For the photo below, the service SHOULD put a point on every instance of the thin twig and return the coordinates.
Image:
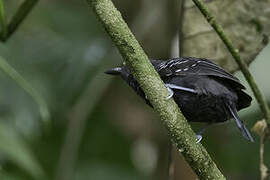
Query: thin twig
(234, 52)
(180, 27)
(22, 12)
(263, 168)
(137, 61)
(3, 20)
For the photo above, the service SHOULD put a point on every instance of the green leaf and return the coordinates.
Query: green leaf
(16, 150)
(11, 72)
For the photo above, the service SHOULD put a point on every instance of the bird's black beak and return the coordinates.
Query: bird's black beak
(114, 71)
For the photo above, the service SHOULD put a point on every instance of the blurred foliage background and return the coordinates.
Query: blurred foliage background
(98, 128)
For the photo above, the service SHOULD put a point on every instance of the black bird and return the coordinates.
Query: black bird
(203, 91)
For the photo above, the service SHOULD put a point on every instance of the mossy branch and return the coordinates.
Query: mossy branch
(134, 56)
(234, 52)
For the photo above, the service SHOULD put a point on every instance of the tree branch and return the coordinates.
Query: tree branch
(135, 58)
(234, 52)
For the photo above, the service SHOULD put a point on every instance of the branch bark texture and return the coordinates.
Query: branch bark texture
(135, 58)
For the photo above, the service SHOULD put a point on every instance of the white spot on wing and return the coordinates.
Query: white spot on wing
(177, 62)
(162, 66)
(185, 69)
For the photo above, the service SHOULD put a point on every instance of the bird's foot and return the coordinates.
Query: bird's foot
(199, 138)
(199, 135)
(170, 92)
(170, 88)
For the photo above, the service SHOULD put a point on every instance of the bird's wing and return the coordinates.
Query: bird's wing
(193, 66)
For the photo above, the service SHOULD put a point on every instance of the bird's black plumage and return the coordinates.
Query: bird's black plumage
(203, 90)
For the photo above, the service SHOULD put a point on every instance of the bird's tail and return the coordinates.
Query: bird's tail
(239, 123)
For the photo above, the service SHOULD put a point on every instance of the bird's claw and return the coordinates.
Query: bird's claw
(199, 138)
(170, 92)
